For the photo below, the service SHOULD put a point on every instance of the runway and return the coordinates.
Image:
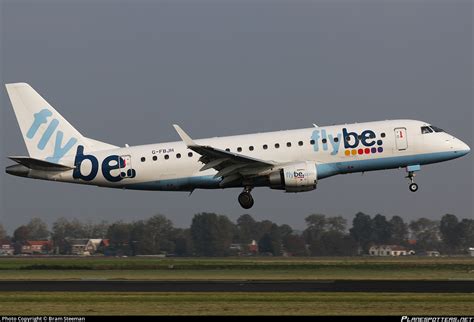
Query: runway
(418, 286)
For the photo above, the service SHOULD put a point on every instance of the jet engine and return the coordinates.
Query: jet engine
(295, 177)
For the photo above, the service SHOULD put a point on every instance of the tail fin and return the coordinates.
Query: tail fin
(48, 136)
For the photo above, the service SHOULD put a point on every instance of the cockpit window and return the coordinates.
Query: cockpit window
(436, 129)
(426, 129)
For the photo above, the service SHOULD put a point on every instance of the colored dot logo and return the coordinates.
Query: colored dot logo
(363, 151)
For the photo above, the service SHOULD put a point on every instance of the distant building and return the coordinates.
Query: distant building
(105, 243)
(432, 253)
(85, 247)
(32, 247)
(103, 247)
(235, 247)
(253, 247)
(93, 245)
(6, 248)
(78, 246)
(388, 250)
(471, 251)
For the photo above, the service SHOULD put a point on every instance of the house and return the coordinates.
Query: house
(78, 246)
(388, 250)
(432, 253)
(104, 245)
(37, 247)
(253, 247)
(6, 248)
(85, 246)
(92, 245)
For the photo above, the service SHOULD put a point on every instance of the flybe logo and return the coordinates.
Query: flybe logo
(114, 167)
(299, 174)
(59, 150)
(353, 142)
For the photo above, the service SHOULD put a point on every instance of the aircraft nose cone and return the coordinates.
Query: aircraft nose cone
(463, 148)
(468, 149)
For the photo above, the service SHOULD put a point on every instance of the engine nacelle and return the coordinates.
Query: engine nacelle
(295, 177)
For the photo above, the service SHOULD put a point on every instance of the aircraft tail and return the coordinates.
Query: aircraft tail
(48, 136)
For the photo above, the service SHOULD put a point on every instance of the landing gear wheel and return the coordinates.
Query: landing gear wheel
(245, 200)
(413, 187)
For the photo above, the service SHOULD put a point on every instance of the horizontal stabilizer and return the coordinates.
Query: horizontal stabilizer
(37, 164)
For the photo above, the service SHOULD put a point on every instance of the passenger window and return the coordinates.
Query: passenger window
(155, 158)
(190, 154)
(300, 143)
(239, 149)
(425, 130)
(178, 155)
(382, 135)
(336, 139)
(227, 149)
(251, 148)
(143, 159)
(277, 145)
(265, 146)
(311, 142)
(167, 157)
(325, 141)
(288, 144)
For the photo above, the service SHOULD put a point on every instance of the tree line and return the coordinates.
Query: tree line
(212, 234)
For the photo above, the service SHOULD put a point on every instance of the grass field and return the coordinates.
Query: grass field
(103, 303)
(33, 303)
(237, 268)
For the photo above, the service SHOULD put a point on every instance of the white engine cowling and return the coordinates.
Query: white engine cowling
(295, 177)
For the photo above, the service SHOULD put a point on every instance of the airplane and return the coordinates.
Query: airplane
(291, 160)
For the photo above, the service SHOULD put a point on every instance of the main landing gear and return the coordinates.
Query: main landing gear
(245, 198)
(413, 186)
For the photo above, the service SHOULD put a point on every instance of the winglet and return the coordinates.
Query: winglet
(186, 138)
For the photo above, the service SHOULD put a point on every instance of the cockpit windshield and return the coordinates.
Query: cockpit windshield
(430, 129)
(436, 129)
(426, 130)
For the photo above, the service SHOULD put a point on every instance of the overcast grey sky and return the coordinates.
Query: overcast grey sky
(124, 71)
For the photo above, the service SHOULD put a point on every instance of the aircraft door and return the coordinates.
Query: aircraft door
(401, 138)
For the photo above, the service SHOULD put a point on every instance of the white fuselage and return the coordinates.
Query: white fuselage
(333, 150)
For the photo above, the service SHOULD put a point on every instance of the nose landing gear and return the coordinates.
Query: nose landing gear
(245, 198)
(413, 186)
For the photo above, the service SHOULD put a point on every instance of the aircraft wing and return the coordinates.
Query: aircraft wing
(229, 166)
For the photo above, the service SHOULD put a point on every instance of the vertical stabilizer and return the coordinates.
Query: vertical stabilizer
(48, 136)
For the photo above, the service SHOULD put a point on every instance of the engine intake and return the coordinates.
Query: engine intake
(295, 177)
